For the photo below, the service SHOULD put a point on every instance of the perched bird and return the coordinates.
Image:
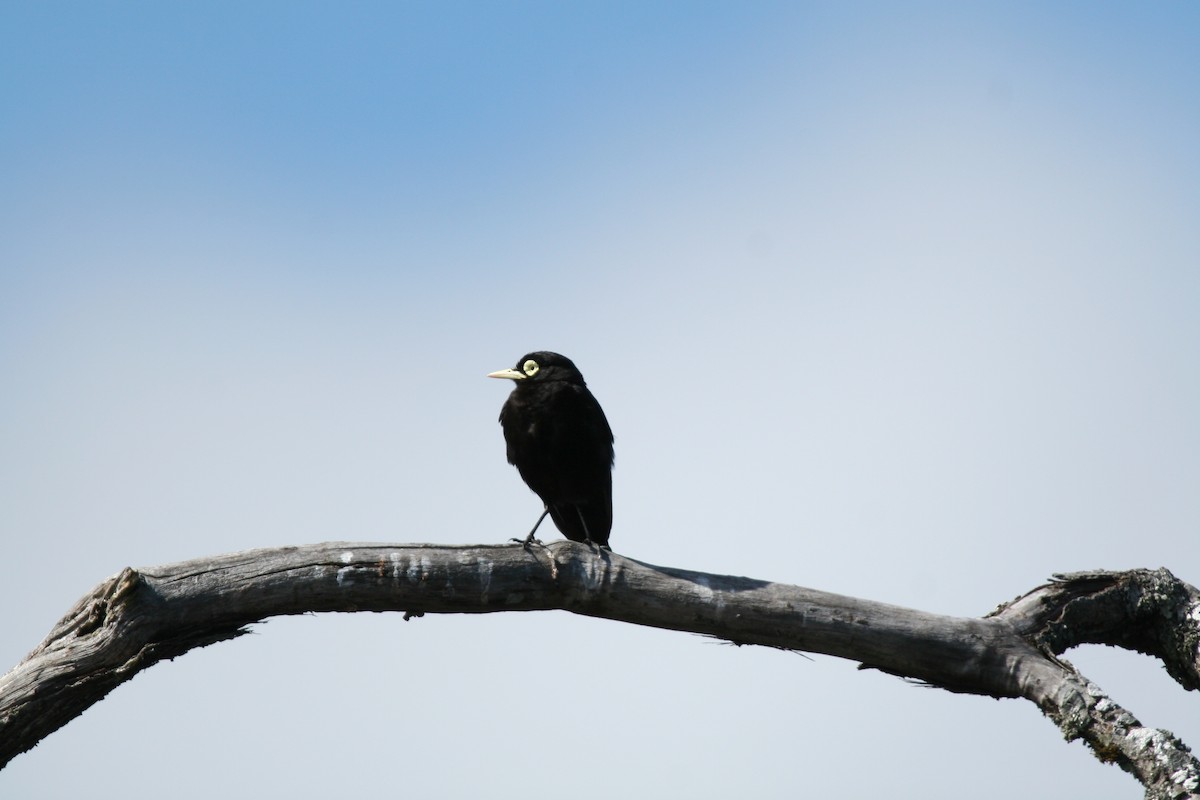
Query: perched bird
(559, 440)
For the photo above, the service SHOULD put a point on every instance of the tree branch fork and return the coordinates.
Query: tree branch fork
(139, 617)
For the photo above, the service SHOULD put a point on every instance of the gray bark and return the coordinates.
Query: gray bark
(139, 617)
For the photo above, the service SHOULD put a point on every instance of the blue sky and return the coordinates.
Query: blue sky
(899, 301)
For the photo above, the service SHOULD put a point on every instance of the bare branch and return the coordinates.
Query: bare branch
(1150, 611)
(140, 617)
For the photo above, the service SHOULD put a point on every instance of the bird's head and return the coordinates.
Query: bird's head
(539, 367)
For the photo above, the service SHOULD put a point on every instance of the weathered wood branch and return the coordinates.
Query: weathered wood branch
(139, 617)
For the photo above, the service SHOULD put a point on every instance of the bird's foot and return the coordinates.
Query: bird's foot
(528, 540)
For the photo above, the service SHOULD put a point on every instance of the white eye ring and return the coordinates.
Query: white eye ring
(530, 367)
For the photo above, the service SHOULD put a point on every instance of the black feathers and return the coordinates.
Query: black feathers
(559, 440)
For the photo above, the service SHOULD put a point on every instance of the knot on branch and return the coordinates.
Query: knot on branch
(98, 608)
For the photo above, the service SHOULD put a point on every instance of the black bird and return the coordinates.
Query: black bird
(559, 440)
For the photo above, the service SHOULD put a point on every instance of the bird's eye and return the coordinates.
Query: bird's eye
(530, 367)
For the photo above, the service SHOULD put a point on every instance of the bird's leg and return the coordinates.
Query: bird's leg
(587, 536)
(529, 539)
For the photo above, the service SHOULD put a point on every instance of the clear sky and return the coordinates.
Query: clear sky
(894, 300)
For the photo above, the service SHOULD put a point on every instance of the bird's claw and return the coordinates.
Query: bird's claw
(527, 541)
